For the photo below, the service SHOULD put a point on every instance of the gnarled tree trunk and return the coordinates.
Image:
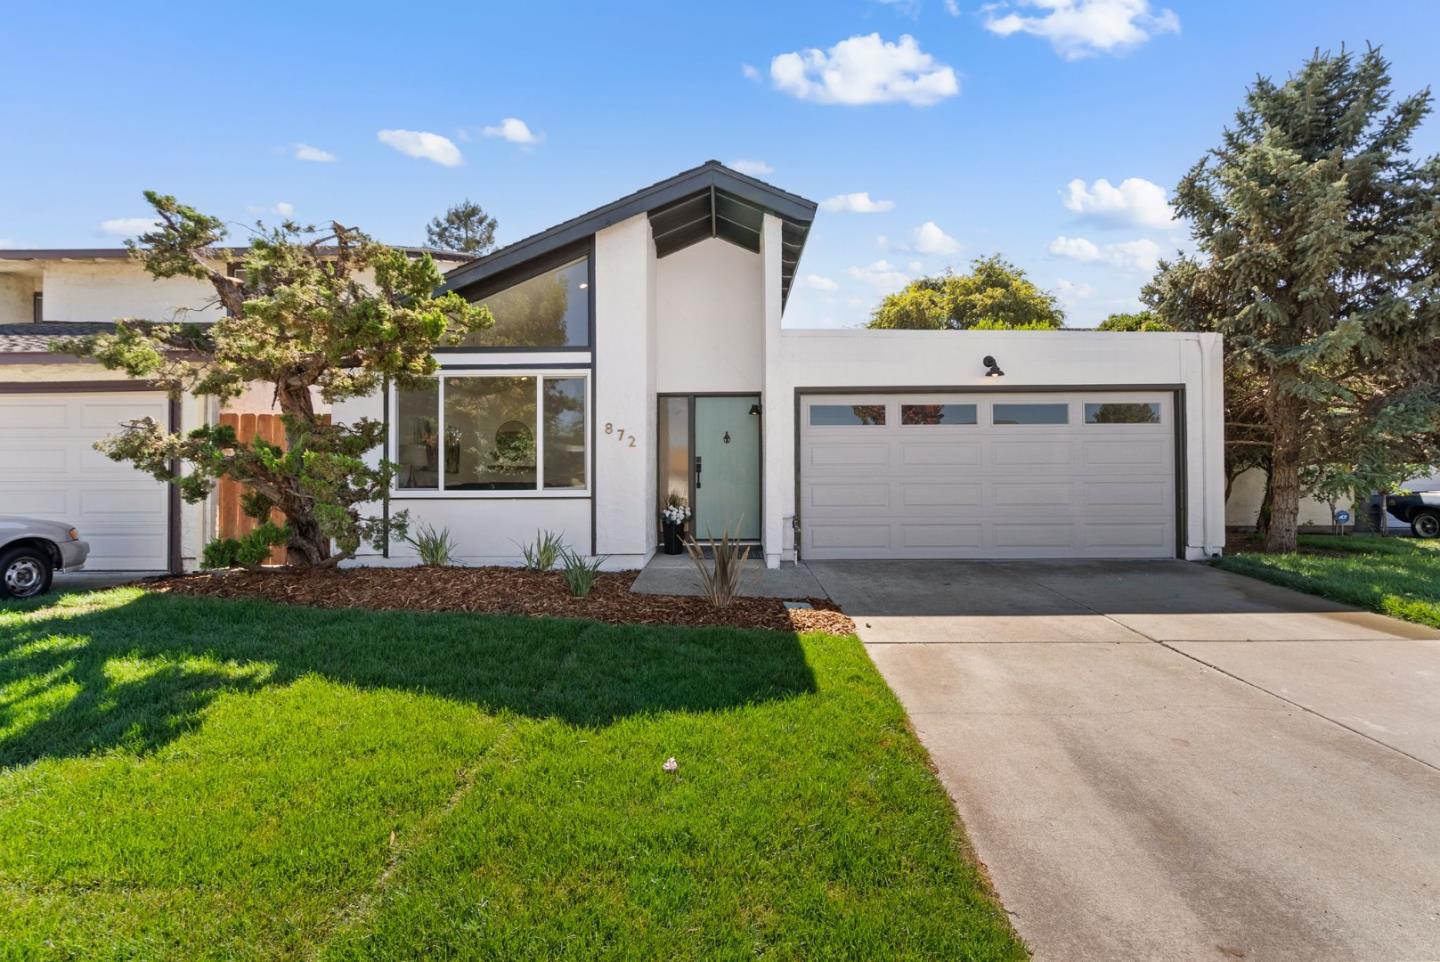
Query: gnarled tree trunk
(307, 545)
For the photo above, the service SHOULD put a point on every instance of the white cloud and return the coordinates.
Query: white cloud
(857, 203)
(1136, 201)
(749, 71)
(1136, 255)
(881, 275)
(1083, 28)
(424, 145)
(930, 239)
(755, 168)
(514, 130)
(1074, 291)
(285, 209)
(128, 226)
(865, 70)
(313, 154)
(818, 282)
(952, 7)
(1075, 248)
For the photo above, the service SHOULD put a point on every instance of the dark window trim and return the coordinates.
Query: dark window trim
(37, 307)
(524, 272)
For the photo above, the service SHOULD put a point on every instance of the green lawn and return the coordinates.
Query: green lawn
(1394, 576)
(187, 778)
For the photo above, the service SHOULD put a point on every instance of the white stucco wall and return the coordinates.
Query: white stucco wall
(106, 290)
(947, 359)
(625, 387)
(709, 299)
(17, 291)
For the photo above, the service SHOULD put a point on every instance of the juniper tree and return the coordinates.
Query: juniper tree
(1318, 237)
(311, 313)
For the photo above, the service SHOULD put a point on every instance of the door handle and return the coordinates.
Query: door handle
(699, 466)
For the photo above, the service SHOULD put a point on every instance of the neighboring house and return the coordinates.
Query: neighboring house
(638, 351)
(1243, 506)
(53, 407)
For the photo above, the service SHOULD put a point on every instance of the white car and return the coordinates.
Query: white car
(31, 551)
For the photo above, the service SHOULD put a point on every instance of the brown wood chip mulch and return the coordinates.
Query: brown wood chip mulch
(507, 591)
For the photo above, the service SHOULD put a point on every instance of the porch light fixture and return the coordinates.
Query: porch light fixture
(991, 368)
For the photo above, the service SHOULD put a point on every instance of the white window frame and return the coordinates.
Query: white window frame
(506, 494)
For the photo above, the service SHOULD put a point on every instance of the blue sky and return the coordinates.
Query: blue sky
(971, 128)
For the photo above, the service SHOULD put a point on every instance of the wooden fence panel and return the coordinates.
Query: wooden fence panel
(233, 521)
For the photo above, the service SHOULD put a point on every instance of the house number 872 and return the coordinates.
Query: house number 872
(621, 436)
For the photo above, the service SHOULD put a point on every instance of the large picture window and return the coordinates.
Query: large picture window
(548, 310)
(463, 433)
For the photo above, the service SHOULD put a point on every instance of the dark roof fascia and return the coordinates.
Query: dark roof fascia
(711, 174)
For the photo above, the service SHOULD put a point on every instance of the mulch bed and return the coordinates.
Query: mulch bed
(502, 591)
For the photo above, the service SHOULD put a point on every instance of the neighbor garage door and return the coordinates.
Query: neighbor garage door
(1082, 475)
(50, 469)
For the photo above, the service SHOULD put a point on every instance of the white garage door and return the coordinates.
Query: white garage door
(1083, 475)
(49, 469)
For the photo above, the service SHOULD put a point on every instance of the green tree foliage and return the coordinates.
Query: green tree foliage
(995, 295)
(1318, 238)
(329, 314)
(464, 228)
(1138, 321)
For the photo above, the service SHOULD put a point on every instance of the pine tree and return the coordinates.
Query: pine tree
(464, 228)
(1318, 239)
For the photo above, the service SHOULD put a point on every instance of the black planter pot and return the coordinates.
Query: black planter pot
(674, 537)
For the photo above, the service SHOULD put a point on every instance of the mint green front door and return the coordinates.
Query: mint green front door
(727, 468)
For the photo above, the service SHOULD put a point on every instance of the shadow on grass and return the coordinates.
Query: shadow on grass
(135, 673)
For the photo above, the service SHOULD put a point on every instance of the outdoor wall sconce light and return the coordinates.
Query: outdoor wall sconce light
(755, 409)
(991, 368)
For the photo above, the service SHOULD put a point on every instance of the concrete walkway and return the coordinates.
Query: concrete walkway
(1163, 761)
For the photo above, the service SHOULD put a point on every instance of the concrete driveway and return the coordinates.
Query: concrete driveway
(1163, 761)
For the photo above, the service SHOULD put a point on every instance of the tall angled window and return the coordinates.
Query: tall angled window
(549, 310)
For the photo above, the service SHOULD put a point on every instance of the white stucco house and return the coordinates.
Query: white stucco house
(639, 351)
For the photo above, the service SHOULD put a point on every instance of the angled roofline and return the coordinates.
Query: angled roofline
(710, 175)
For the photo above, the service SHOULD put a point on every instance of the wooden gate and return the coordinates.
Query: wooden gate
(234, 522)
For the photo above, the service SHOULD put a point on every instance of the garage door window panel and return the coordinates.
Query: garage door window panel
(937, 415)
(847, 415)
(1006, 414)
(1122, 412)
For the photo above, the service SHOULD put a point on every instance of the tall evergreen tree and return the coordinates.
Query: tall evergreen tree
(464, 228)
(1318, 237)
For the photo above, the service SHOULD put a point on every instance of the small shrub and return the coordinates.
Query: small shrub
(246, 552)
(435, 548)
(579, 573)
(544, 552)
(721, 578)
